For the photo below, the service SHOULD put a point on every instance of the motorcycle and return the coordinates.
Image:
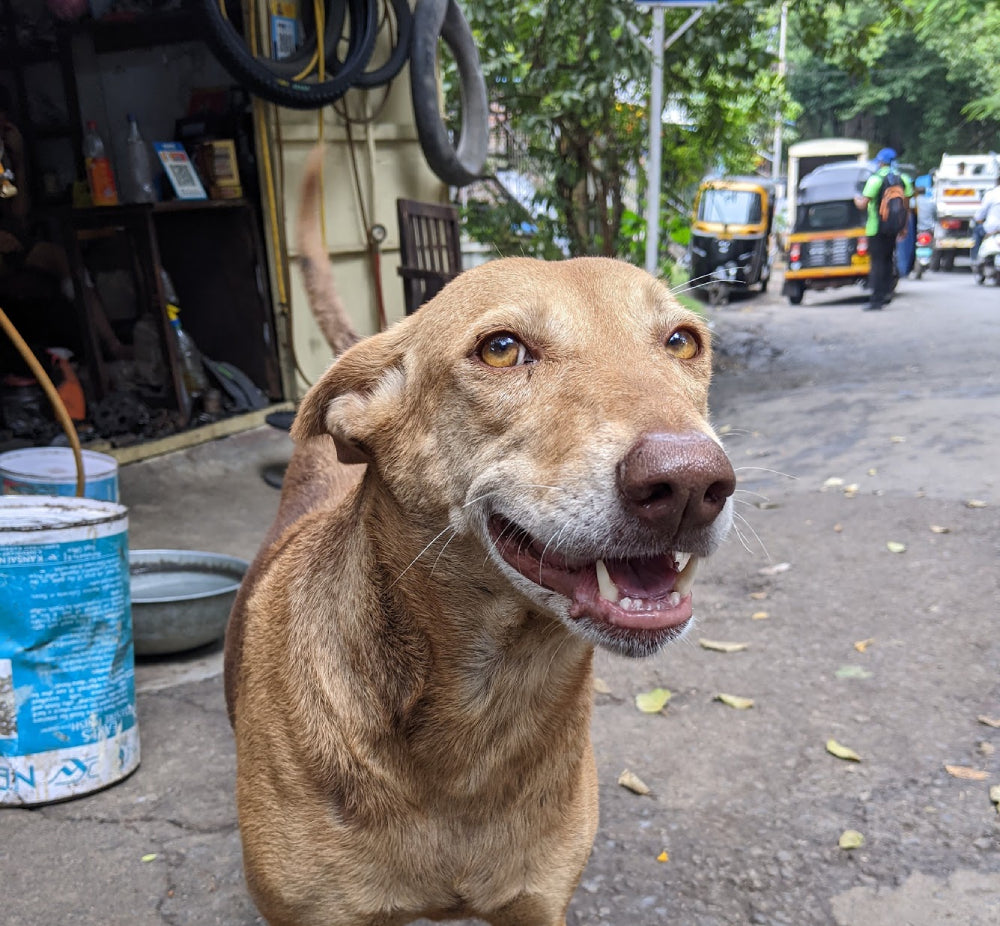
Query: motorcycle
(924, 253)
(986, 266)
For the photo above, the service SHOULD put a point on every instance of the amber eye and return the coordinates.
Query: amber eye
(684, 344)
(503, 350)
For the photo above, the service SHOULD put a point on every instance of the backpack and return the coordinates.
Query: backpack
(893, 206)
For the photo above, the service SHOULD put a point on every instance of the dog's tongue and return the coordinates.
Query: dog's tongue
(643, 578)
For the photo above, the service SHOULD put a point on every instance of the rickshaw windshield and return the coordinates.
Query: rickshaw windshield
(730, 207)
(829, 216)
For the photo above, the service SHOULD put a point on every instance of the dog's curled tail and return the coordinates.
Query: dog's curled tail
(324, 300)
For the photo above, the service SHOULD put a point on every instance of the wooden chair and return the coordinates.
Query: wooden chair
(429, 249)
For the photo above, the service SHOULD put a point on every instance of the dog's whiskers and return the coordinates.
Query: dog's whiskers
(756, 536)
(764, 469)
(429, 544)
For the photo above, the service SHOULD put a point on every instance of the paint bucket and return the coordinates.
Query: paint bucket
(67, 678)
(52, 471)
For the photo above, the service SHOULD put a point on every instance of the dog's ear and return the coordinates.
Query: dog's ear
(356, 397)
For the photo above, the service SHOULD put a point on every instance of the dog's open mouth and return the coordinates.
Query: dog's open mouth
(651, 593)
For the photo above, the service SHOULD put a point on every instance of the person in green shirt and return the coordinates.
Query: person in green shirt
(881, 247)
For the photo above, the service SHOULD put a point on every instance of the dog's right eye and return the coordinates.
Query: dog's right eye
(503, 350)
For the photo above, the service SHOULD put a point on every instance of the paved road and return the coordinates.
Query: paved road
(748, 805)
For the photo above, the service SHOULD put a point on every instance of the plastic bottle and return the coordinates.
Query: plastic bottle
(140, 169)
(100, 176)
(193, 370)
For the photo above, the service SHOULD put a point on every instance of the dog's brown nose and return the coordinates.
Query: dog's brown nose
(674, 480)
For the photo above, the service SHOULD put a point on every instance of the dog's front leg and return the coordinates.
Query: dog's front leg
(531, 910)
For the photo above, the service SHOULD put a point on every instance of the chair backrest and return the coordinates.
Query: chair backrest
(429, 249)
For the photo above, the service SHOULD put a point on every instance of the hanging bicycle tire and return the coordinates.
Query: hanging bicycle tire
(400, 53)
(258, 74)
(462, 163)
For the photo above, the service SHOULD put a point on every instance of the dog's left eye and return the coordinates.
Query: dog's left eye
(684, 344)
(503, 350)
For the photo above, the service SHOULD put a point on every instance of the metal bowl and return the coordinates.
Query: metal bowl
(180, 598)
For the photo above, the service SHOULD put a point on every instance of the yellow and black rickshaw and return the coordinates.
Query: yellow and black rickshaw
(731, 235)
(828, 247)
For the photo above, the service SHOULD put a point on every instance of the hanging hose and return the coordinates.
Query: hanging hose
(53, 396)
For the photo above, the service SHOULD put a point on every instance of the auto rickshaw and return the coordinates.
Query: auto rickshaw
(828, 247)
(731, 235)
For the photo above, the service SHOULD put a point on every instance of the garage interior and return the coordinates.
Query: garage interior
(93, 289)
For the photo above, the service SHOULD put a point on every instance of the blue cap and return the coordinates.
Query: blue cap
(886, 156)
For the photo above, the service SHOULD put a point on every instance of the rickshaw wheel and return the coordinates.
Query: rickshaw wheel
(795, 293)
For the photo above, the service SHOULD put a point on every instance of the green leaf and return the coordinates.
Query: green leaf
(851, 839)
(735, 701)
(841, 752)
(652, 702)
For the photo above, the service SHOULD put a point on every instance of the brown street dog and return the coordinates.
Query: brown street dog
(518, 472)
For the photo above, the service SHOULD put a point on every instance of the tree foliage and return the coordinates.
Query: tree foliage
(570, 83)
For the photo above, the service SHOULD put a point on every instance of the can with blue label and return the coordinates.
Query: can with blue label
(52, 471)
(67, 677)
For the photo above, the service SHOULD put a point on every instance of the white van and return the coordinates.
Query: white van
(959, 186)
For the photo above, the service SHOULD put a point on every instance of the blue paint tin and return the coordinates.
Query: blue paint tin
(67, 678)
(52, 471)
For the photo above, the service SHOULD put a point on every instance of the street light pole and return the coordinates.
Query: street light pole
(782, 33)
(654, 169)
(653, 163)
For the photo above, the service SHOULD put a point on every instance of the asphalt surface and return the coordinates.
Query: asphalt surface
(863, 582)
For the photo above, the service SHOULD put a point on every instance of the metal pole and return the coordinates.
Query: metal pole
(782, 33)
(653, 165)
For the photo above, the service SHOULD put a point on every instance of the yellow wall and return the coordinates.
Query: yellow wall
(390, 164)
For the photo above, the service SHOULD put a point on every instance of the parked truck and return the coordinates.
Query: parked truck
(960, 183)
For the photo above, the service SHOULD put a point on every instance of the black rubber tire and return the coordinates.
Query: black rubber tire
(936, 261)
(262, 81)
(948, 262)
(400, 53)
(795, 293)
(462, 164)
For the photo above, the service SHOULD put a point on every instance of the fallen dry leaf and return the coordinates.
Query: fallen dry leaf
(838, 528)
(833, 482)
(664, 856)
(987, 749)
(758, 596)
(938, 529)
(842, 752)
(995, 796)
(989, 721)
(975, 503)
(601, 686)
(966, 773)
(896, 439)
(851, 839)
(852, 672)
(873, 471)
(741, 704)
(852, 490)
(862, 645)
(894, 546)
(721, 647)
(652, 702)
(759, 616)
(774, 570)
(149, 858)
(633, 782)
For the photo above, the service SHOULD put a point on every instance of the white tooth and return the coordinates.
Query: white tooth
(686, 579)
(625, 604)
(681, 560)
(607, 588)
(675, 599)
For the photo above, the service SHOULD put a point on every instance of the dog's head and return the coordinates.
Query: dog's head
(558, 413)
